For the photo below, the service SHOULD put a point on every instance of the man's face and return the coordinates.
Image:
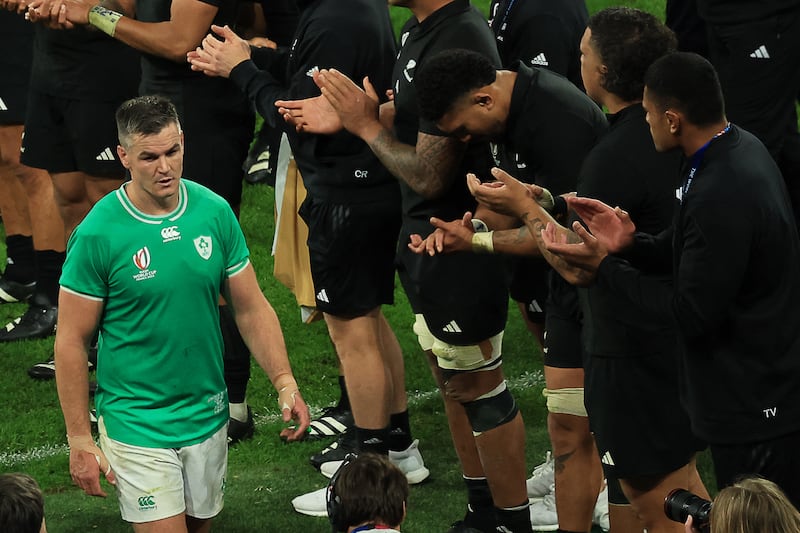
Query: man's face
(661, 129)
(156, 164)
(472, 118)
(592, 68)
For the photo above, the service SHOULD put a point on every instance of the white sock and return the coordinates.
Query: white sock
(238, 411)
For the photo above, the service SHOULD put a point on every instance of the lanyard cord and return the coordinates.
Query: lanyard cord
(697, 160)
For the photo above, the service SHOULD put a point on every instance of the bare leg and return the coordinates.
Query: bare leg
(578, 474)
(13, 202)
(624, 519)
(358, 344)
(647, 496)
(175, 524)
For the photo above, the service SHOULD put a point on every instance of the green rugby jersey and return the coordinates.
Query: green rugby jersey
(159, 372)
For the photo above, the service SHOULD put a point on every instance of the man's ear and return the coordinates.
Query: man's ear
(674, 121)
(123, 156)
(483, 99)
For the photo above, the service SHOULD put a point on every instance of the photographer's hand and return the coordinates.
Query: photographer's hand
(688, 526)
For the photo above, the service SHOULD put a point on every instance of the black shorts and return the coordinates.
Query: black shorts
(563, 347)
(463, 296)
(529, 286)
(67, 135)
(13, 100)
(352, 250)
(639, 424)
(775, 459)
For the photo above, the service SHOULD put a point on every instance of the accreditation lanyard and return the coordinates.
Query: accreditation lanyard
(697, 160)
(501, 29)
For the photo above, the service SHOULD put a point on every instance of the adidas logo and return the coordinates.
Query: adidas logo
(322, 296)
(534, 307)
(540, 60)
(373, 441)
(452, 327)
(105, 155)
(313, 70)
(607, 460)
(3, 106)
(760, 53)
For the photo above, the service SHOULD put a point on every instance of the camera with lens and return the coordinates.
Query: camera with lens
(680, 504)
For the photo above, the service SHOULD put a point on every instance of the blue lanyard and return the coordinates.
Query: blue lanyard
(503, 23)
(697, 160)
(369, 527)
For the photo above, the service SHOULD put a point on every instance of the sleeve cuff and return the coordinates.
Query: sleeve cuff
(243, 73)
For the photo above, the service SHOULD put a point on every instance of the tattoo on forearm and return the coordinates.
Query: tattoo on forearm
(426, 168)
(535, 225)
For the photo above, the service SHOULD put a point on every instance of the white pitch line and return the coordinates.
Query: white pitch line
(40, 453)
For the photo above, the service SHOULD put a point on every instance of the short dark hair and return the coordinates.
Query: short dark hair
(628, 41)
(144, 115)
(371, 490)
(21, 504)
(447, 77)
(688, 83)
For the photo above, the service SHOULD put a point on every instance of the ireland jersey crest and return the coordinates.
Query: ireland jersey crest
(203, 246)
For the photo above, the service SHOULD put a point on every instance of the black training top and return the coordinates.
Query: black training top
(625, 170)
(157, 69)
(18, 35)
(190, 90)
(281, 17)
(742, 11)
(83, 64)
(541, 33)
(552, 125)
(736, 258)
(340, 168)
(456, 25)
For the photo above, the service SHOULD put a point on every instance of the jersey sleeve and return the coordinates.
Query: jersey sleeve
(85, 270)
(237, 256)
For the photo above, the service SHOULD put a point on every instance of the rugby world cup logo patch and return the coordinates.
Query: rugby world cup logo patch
(142, 261)
(142, 258)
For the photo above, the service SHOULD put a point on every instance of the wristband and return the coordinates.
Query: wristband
(545, 200)
(104, 19)
(483, 243)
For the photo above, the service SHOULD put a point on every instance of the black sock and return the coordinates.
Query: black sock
(344, 399)
(373, 440)
(21, 261)
(514, 519)
(48, 272)
(479, 496)
(235, 357)
(399, 431)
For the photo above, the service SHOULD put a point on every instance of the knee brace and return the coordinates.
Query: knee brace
(491, 410)
(568, 401)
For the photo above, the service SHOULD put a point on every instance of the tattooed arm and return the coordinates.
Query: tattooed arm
(428, 168)
(509, 196)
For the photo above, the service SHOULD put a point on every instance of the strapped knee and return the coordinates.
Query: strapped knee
(568, 401)
(491, 410)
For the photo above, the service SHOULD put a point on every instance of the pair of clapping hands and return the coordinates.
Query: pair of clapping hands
(610, 230)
